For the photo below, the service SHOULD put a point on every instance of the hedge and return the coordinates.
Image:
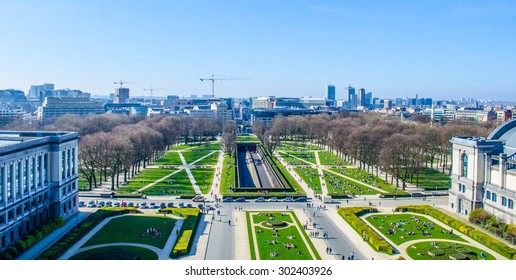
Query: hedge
(79, 231)
(462, 227)
(184, 241)
(351, 216)
(32, 238)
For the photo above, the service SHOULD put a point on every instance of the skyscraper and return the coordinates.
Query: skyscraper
(352, 97)
(330, 92)
(361, 97)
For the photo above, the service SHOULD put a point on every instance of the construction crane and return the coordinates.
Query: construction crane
(151, 89)
(212, 79)
(121, 83)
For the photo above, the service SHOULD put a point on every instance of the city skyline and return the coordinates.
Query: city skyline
(293, 48)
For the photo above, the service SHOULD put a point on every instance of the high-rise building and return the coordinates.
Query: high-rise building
(352, 97)
(361, 97)
(38, 181)
(122, 95)
(54, 107)
(330, 92)
(368, 99)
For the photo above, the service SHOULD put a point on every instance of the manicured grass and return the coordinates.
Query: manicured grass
(328, 158)
(292, 160)
(296, 146)
(306, 155)
(247, 138)
(363, 176)
(192, 156)
(400, 225)
(431, 179)
(311, 177)
(420, 251)
(147, 176)
(339, 185)
(176, 184)
(204, 178)
(116, 253)
(170, 158)
(133, 229)
(209, 160)
(227, 177)
(273, 239)
(198, 147)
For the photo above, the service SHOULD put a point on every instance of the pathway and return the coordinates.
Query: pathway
(163, 254)
(324, 190)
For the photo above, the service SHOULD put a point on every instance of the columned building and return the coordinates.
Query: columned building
(38, 181)
(484, 173)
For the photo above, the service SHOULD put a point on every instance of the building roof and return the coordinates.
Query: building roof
(505, 132)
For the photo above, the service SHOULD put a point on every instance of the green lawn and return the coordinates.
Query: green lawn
(274, 238)
(198, 147)
(306, 155)
(339, 185)
(147, 176)
(227, 177)
(209, 160)
(176, 184)
(192, 156)
(311, 177)
(116, 253)
(133, 229)
(431, 179)
(400, 228)
(443, 250)
(204, 178)
(291, 160)
(170, 158)
(363, 176)
(328, 158)
(247, 138)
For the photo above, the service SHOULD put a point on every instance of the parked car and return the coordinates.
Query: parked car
(181, 205)
(82, 204)
(288, 199)
(101, 204)
(301, 199)
(200, 206)
(144, 205)
(210, 208)
(153, 205)
(273, 199)
(189, 205)
(227, 199)
(198, 198)
(240, 199)
(162, 205)
(91, 204)
(116, 204)
(170, 204)
(109, 204)
(259, 199)
(130, 204)
(123, 204)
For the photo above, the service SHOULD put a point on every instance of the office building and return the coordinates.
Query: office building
(352, 97)
(330, 93)
(361, 97)
(38, 181)
(36, 92)
(54, 107)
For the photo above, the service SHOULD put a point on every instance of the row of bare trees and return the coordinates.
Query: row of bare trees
(113, 145)
(401, 149)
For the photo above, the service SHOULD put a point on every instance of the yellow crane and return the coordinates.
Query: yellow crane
(151, 89)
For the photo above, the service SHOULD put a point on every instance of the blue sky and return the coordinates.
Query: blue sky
(440, 49)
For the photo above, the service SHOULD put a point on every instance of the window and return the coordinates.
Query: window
(38, 168)
(63, 165)
(25, 165)
(464, 165)
(488, 195)
(9, 179)
(45, 169)
(17, 189)
(68, 163)
(511, 204)
(463, 188)
(73, 161)
(32, 173)
(2, 169)
(493, 197)
(504, 201)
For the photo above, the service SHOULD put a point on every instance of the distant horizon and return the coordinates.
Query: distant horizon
(439, 49)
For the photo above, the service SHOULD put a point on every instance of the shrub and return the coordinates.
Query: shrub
(351, 216)
(184, 241)
(479, 236)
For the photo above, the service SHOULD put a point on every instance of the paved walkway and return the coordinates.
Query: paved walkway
(163, 254)
(324, 190)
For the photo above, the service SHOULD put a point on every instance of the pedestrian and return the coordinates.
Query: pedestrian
(364, 198)
(379, 203)
(343, 257)
(286, 207)
(177, 231)
(347, 201)
(229, 222)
